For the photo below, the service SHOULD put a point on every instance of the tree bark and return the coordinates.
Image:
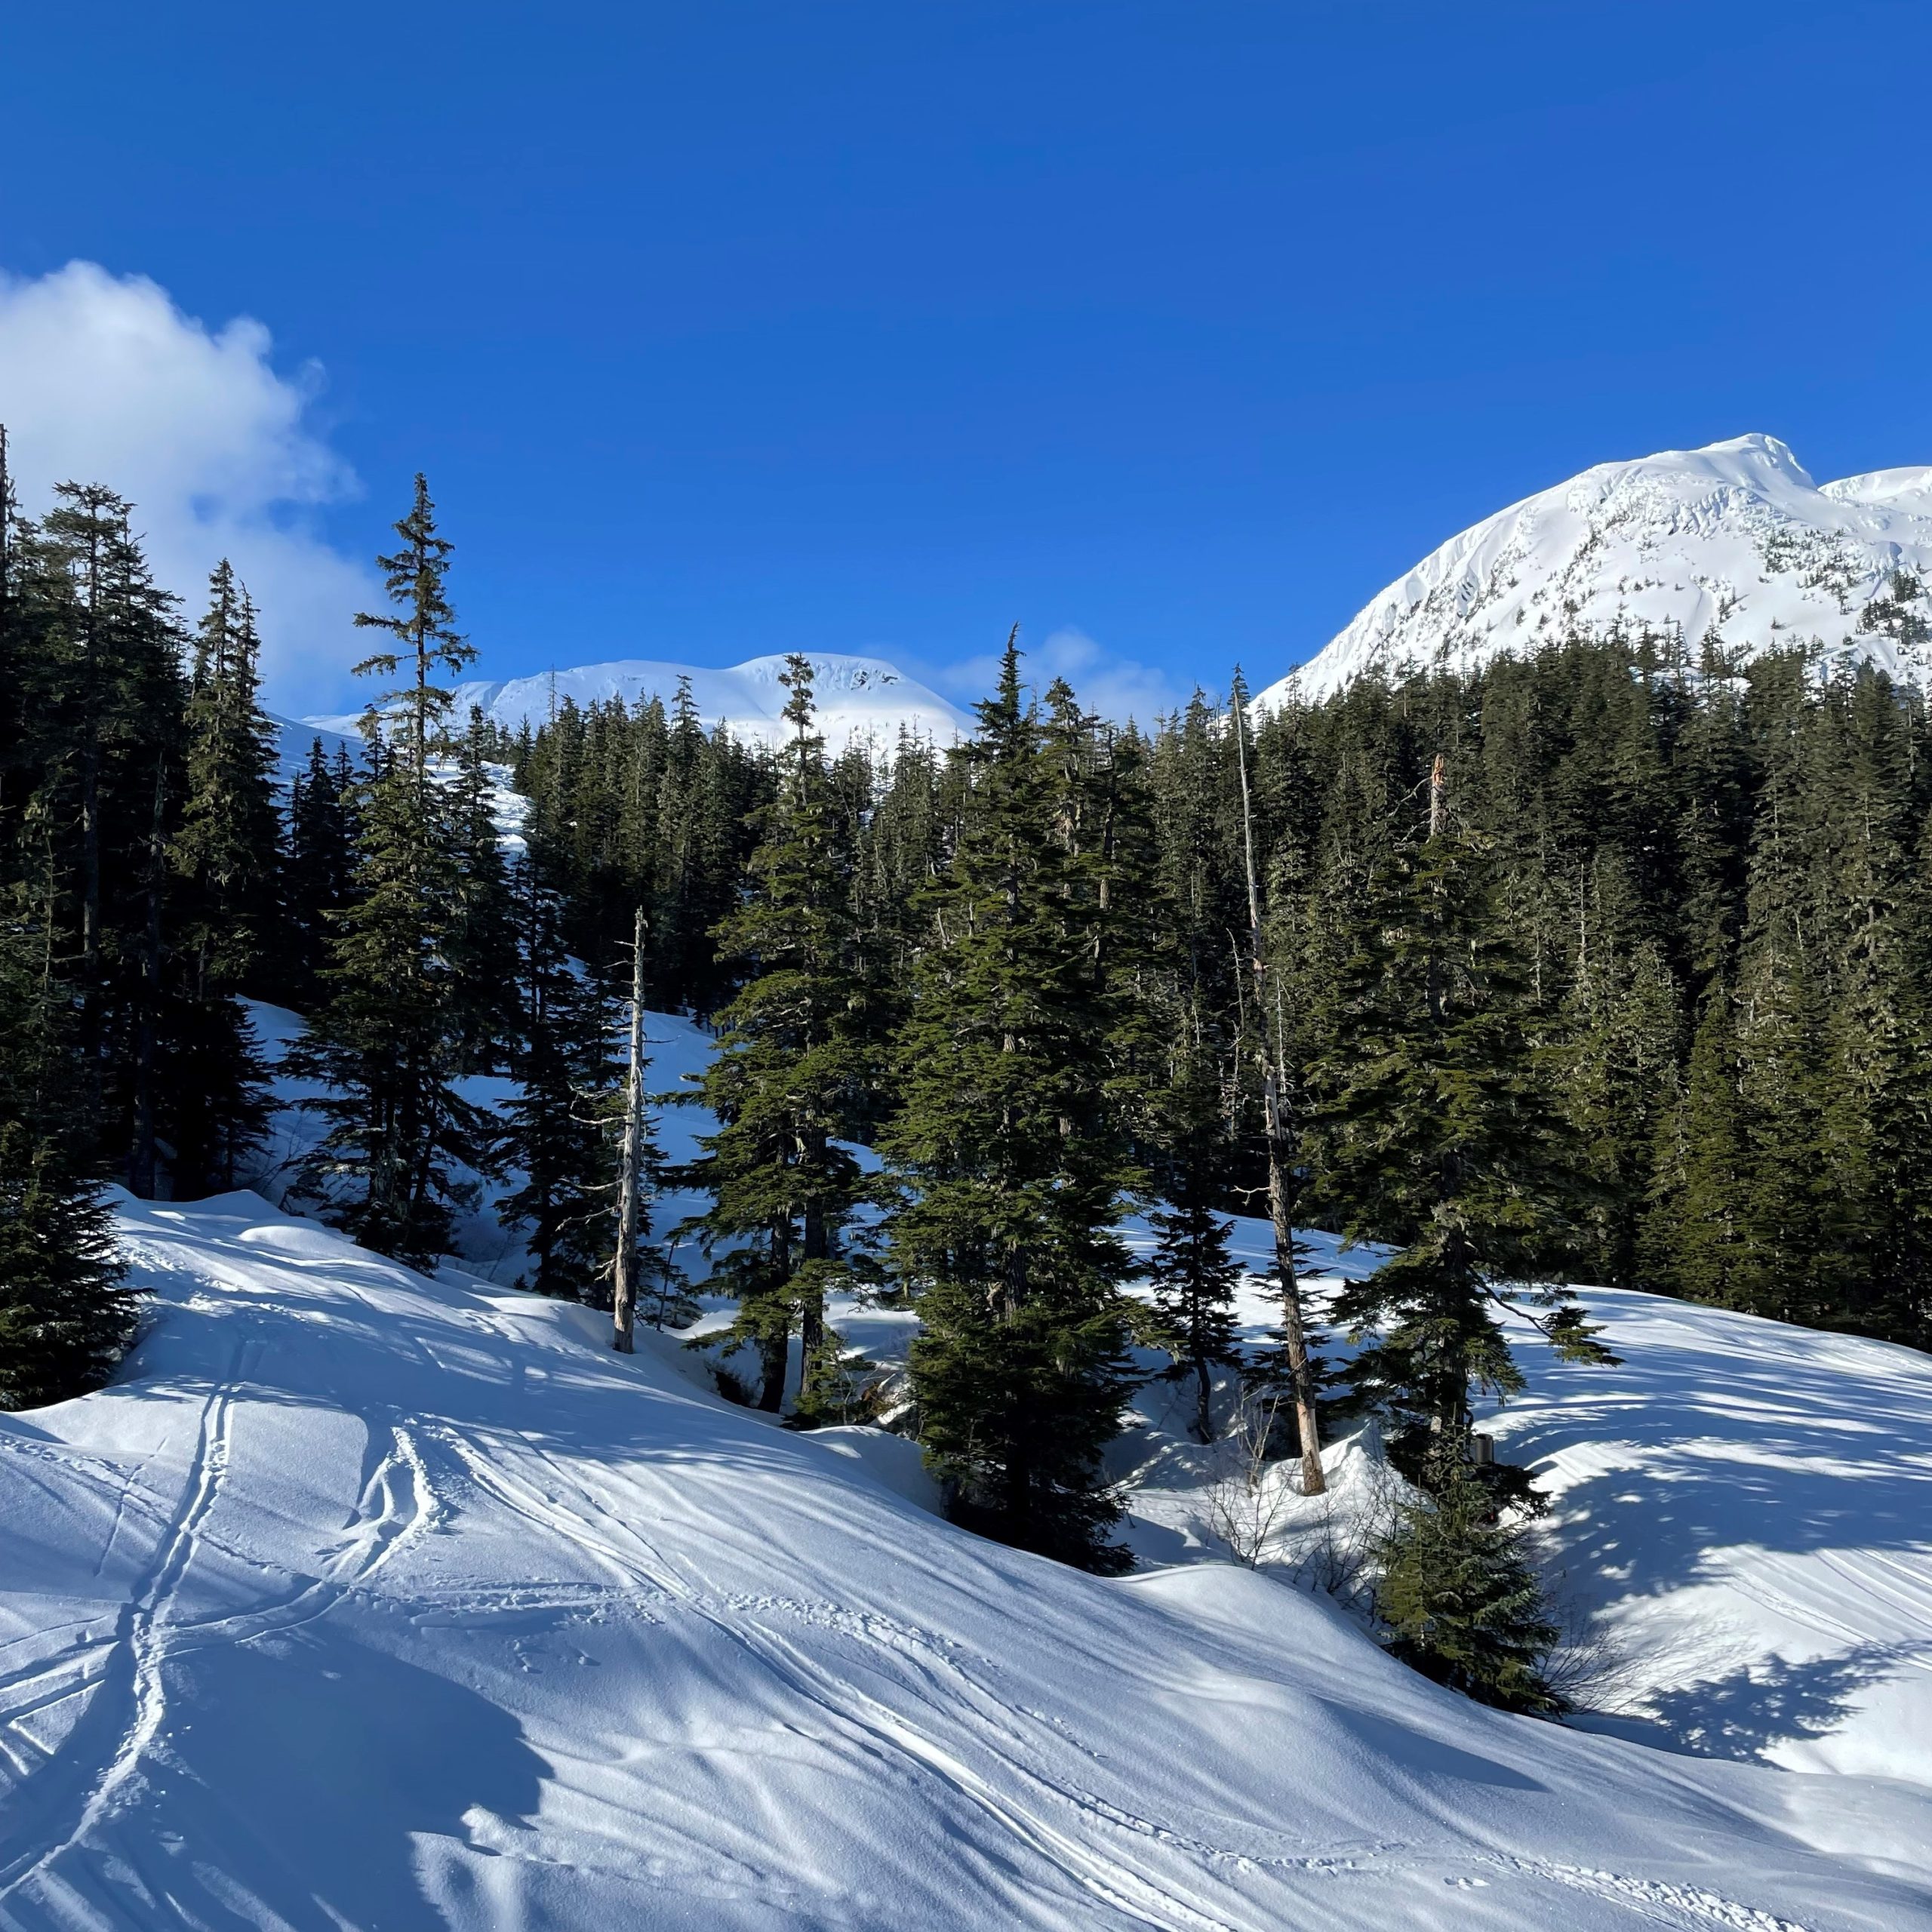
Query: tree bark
(1281, 1151)
(623, 1299)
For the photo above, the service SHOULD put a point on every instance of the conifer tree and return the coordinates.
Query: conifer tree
(1193, 1276)
(1440, 1135)
(1458, 1595)
(1295, 1369)
(102, 695)
(224, 857)
(416, 576)
(1012, 1166)
(785, 1085)
(483, 944)
(318, 866)
(560, 1123)
(394, 1039)
(65, 1312)
(226, 847)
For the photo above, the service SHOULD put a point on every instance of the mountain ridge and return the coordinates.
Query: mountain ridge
(1734, 538)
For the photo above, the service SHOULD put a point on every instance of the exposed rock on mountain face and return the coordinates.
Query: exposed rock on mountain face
(1734, 540)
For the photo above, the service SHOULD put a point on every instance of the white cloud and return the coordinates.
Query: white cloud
(1116, 686)
(102, 379)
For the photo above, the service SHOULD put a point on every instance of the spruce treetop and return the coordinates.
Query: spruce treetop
(415, 576)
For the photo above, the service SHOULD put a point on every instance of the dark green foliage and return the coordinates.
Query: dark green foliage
(390, 1044)
(402, 1026)
(225, 857)
(1012, 1162)
(65, 1315)
(318, 868)
(1458, 1596)
(1439, 1133)
(424, 625)
(562, 1127)
(482, 942)
(226, 849)
(1193, 1276)
(636, 807)
(787, 1082)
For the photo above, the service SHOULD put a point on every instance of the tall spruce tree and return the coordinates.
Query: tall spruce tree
(561, 1124)
(415, 576)
(224, 856)
(1010, 1163)
(786, 1084)
(1192, 1275)
(395, 1037)
(65, 1313)
(1440, 1137)
(318, 868)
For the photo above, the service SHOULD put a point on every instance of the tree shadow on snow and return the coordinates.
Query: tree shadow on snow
(1745, 1714)
(328, 1762)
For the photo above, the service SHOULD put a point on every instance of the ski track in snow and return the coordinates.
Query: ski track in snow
(646, 1661)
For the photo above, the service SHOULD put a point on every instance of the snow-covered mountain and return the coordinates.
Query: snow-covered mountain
(1734, 538)
(857, 697)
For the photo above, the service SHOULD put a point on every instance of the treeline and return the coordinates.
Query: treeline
(138, 845)
(157, 873)
(1610, 964)
(1716, 875)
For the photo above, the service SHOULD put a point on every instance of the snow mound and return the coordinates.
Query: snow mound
(856, 698)
(364, 1599)
(1744, 1509)
(1734, 540)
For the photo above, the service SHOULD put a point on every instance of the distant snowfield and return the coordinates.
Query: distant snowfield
(855, 698)
(360, 1599)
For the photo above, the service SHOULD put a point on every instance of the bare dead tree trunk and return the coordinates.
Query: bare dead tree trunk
(1279, 1134)
(623, 1300)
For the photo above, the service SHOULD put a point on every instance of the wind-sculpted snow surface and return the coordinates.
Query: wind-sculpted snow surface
(360, 1600)
(1734, 540)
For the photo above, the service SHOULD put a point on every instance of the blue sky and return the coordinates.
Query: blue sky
(734, 327)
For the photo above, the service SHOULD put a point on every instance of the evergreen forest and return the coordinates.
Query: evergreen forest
(1610, 965)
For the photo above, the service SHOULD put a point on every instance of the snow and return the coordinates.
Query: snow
(1734, 538)
(1747, 1508)
(856, 698)
(363, 1599)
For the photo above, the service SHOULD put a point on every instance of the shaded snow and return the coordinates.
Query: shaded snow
(362, 1599)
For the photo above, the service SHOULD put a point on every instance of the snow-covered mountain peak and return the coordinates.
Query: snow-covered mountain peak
(1734, 540)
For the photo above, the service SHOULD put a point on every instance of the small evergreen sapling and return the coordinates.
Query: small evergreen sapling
(1460, 1599)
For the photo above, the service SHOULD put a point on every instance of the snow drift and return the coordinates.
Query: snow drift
(364, 1599)
(1734, 540)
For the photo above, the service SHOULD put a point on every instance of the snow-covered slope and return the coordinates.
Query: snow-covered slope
(1735, 538)
(857, 697)
(360, 1600)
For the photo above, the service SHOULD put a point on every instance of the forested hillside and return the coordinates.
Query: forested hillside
(1610, 965)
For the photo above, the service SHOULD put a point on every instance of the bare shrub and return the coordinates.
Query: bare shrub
(1249, 1490)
